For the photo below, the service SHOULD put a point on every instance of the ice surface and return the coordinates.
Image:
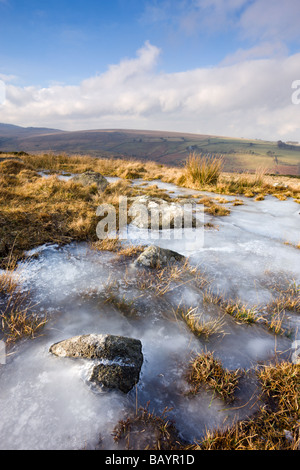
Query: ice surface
(45, 401)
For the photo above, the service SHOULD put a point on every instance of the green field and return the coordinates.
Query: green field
(170, 148)
(238, 154)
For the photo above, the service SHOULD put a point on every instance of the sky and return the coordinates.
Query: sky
(219, 67)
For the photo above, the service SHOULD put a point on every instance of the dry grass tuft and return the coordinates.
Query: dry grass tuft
(108, 244)
(13, 167)
(212, 208)
(241, 312)
(206, 371)
(287, 298)
(198, 325)
(9, 280)
(203, 169)
(147, 431)
(275, 426)
(17, 316)
(18, 321)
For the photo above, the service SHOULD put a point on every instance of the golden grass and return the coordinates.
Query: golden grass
(198, 325)
(275, 324)
(9, 282)
(207, 371)
(129, 251)
(241, 312)
(287, 299)
(115, 245)
(238, 202)
(36, 210)
(222, 183)
(49, 211)
(13, 167)
(212, 208)
(203, 169)
(275, 426)
(108, 244)
(165, 280)
(235, 308)
(145, 430)
(271, 315)
(17, 321)
(127, 169)
(17, 316)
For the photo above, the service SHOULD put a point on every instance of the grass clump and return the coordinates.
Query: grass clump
(203, 169)
(13, 167)
(198, 325)
(17, 320)
(288, 299)
(145, 430)
(241, 312)
(17, 316)
(275, 426)
(212, 208)
(165, 280)
(207, 371)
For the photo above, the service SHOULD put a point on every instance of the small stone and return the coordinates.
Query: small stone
(156, 257)
(91, 177)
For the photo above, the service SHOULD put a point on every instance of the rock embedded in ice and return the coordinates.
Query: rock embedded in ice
(91, 177)
(155, 257)
(155, 213)
(121, 358)
(120, 376)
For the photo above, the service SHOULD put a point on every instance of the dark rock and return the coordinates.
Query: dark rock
(116, 376)
(120, 358)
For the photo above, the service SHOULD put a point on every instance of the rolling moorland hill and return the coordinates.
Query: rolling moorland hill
(170, 148)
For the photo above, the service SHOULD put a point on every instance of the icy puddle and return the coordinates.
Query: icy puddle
(46, 402)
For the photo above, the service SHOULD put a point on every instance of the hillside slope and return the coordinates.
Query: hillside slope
(170, 148)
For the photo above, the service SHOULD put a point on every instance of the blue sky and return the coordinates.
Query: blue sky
(66, 41)
(59, 59)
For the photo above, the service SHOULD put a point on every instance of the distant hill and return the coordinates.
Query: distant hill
(9, 130)
(169, 148)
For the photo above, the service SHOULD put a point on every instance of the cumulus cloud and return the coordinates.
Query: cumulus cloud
(259, 51)
(211, 14)
(257, 21)
(7, 78)
(246, 99)
(271, 20)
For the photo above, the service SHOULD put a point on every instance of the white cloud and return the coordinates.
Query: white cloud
(258, 21)
(271, 20)
(250, 99)
(263, 50)
(217, 13)
(7, 78)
